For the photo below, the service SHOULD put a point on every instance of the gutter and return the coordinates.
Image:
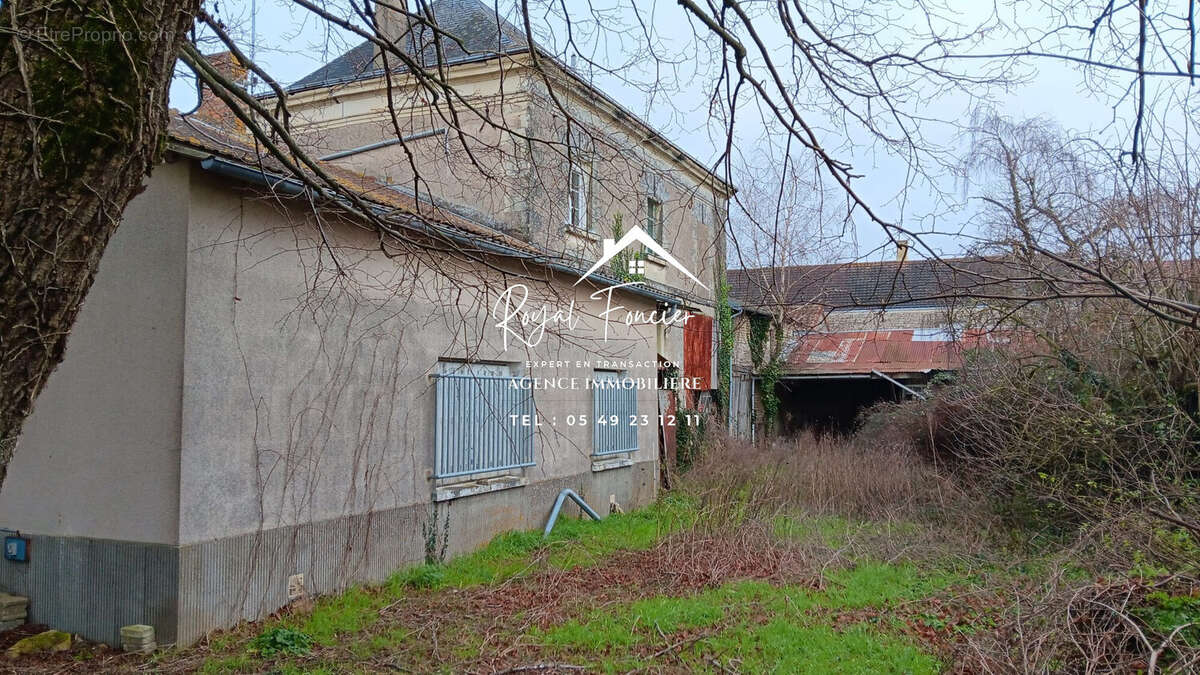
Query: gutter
(292, 188)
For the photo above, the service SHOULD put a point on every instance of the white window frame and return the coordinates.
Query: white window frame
(655, 227)
(579, 192)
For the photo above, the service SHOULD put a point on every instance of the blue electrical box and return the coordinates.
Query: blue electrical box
(16, 549)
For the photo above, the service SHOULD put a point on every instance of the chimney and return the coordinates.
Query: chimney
(393, 26)
(213, 109)
(901, 250)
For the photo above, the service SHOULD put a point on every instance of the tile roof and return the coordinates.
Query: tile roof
(229, 144)
(911, 284)
(397, 206)
(471, 31)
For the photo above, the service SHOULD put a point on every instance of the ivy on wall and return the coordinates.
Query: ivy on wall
(769, 366)
(725, 343)
(619, 265)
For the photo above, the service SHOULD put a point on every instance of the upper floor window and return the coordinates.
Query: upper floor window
(654, 218)
(579, 193)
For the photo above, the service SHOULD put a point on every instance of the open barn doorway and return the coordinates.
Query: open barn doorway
(829, 405)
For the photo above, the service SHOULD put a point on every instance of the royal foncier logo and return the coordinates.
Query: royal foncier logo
(511, 312)
(638, 265)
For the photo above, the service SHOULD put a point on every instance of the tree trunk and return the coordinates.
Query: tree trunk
(83, 111)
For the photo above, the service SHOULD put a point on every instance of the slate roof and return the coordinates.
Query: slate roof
(470, 30)
(912, 284)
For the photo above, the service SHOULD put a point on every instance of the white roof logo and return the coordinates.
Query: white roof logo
(638, 235)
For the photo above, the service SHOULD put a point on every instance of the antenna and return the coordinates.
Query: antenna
(253, 41)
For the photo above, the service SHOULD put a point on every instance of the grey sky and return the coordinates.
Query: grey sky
(672, 94)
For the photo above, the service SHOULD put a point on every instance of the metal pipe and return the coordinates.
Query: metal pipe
(383, 144)
(914, 392)
(562, 496)
(750, 412)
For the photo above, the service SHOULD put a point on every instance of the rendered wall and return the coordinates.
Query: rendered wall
(309, 409)
(95, 480)
(236, 407)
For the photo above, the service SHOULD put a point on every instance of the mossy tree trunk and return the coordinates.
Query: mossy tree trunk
(83, 111)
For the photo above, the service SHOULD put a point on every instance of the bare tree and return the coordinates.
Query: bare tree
(83, 106)
(82, 117)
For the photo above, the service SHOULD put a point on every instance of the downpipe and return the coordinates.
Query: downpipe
(562, 497)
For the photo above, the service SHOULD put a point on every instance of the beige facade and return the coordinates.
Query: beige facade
(249, 397)
(512, 164)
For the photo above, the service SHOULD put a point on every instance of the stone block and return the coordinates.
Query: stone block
(49, 641)
(138, 638)
(137, 631)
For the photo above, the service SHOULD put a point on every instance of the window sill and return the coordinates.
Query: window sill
(581, 233)
(651, 258)
(445, 493)
(610, 463)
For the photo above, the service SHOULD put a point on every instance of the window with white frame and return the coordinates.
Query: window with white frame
(615, 423)
(654, 218)
(483, 421)
(579, 192)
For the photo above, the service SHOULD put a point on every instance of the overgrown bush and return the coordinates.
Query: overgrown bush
(1097, 427)
(690, 439)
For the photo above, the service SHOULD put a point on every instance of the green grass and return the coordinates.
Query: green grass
(874, 584)
(787, 646)
(573, 543)
(762, 626)
(752, 625)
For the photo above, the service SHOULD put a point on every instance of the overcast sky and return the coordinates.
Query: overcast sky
(290, 43)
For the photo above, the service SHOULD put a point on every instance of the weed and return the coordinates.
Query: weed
(1165, 613)
(282, 640)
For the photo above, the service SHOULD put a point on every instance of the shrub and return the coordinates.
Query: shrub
(1082, 430)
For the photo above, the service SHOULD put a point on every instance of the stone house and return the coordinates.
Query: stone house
(263, 398)
(553, 161)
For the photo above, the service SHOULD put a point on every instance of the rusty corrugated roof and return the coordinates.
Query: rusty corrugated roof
(888, 351)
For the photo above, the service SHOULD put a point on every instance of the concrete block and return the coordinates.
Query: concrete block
(8, 600)
(12, 613)
(138, 638)
(9, 625)
(137, 631)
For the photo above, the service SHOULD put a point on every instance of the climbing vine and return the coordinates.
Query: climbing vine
(769, 367)
(760, 330)
(725, 344)
(619, 265)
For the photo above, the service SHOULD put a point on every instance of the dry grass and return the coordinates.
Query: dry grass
(828, 475)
